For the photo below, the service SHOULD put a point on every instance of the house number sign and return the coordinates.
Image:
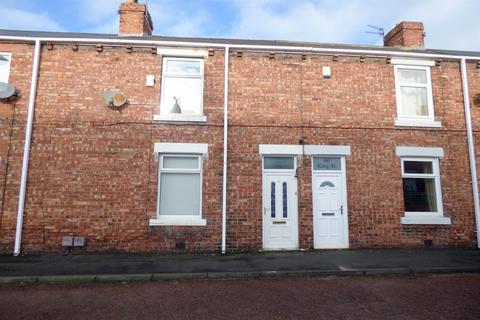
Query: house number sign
(326, 163)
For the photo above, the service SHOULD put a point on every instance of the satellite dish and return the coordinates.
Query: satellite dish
(114, 98)
(7, 90)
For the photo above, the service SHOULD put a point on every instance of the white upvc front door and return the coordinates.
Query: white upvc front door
(280, 215)
(330, 214)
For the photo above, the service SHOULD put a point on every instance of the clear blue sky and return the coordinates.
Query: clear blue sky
(450, 24)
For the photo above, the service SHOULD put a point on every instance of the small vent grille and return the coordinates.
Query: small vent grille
(180, 245)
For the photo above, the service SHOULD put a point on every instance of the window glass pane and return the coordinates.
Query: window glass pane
(417, 167)
(278, 163)
(414, 101)
(181, 96)
(180, 193)
(419, 195)
(327, 184)
(4, 65)
(183, 67)
(284, 202)
(180, 162)
(272, 200)
(327, 163)
(412, 76)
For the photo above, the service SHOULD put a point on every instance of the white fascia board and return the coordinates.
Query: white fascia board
(199, 148)
(381, 53)
(426, 220)
(419, 152)
(280, 149)
(180, 52)
(413, 62)
(331, 150)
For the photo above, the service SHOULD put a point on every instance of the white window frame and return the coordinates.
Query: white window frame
(424, 217)
(435, 175)
(409, 120)
(6, 77)
(181, 117)
(179, 150)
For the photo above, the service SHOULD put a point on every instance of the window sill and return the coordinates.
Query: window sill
(417, 123)
(438, 220)
(178, 221)
(180, 117)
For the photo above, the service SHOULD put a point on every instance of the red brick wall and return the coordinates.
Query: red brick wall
(93, 172)
(12, 122)
(355, 107)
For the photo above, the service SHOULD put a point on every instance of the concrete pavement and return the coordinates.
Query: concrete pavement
(147, 267)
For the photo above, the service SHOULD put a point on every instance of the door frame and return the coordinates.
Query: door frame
(289, 172)
(343, 177)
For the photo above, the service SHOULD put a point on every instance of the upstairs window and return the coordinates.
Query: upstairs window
(182, 87)
(414, 96)
(5, 59)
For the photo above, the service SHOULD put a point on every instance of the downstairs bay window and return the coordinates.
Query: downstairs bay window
(179, 186)
(422, 192)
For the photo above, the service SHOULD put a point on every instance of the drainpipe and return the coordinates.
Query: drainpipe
(471, 147)
(26, 148)
(225, 153)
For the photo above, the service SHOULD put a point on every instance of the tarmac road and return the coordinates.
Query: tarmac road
(453, 296)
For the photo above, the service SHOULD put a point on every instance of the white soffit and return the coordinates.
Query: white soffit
(198, 148)
(179, 52)
(419, 152)
(413, 62)
(328, 150)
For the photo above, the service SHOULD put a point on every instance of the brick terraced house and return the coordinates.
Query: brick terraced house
(142, 143)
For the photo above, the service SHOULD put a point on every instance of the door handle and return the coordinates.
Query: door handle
(264, 210)
(341, 209)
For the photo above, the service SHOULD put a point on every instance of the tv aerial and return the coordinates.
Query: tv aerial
(375, 30)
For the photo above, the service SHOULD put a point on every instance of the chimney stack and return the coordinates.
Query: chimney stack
(407, 34)
(135, 19)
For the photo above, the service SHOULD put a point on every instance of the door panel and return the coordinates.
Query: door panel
(329, 220)
(280, 222)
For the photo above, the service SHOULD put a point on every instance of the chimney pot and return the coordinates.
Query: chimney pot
(409, 34)
(135, 20)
